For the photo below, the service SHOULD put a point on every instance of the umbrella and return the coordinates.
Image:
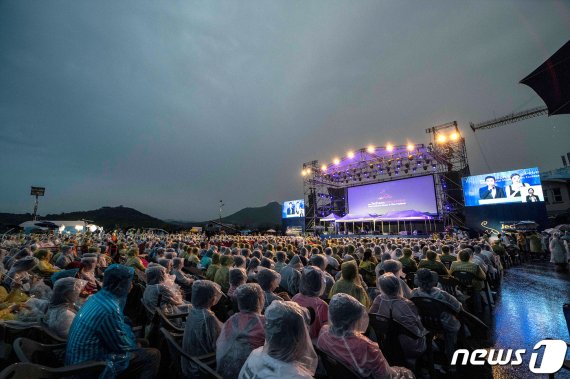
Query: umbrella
(551, 81)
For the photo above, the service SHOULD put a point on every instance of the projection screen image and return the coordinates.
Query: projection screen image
(417, 194)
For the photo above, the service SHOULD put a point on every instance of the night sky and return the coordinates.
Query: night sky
(168, 107)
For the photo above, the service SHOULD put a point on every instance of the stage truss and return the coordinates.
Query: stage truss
(444, 157)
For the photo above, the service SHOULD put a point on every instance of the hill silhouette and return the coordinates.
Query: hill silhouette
(125, 217)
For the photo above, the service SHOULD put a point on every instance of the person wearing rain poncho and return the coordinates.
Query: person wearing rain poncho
(44, 266)
(350, 284)
(222, 274)
(182, 279)
(213, 267)
(288, 351)
(269, 281)
(66, 257)
(159, 284)
(202, 327)
(237, 276)
(311, 288)
(133, 259)
(61, 310)
(99, 331)
(291, 275)
(242, 332)
(18, 277)
(392, 305)
(87, 273)
(344, 340)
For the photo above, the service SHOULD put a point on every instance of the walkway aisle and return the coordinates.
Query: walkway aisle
(529, 310)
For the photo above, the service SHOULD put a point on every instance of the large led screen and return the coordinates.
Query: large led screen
(516, 186)
(293, 208)
(417, 194)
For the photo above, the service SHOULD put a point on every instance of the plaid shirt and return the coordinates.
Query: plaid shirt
(433, 266)
(99, 332)
(472, 268)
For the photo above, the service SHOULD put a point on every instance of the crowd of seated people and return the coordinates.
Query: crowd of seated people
(289, 298)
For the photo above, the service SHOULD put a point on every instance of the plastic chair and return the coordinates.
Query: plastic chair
(165, 320)
(449, 284)
(206, 372)
(177, 353)
(31, 370)
(30, 351)
(388, 332)
(335, 369)
(430, 311)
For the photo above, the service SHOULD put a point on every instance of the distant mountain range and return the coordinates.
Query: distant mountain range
(252, 217)
(110, 217)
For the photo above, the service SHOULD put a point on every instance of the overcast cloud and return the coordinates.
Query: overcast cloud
(169, 107)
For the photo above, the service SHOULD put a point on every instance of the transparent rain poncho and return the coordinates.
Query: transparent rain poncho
(344, 340)
(161, 285)
(269, 281)
(61, 310)
(18, 274)
(312, 282)
(237, 277)
(242, 332)
(312, 287)
(290, 275)
(288, 351)
(202, 327)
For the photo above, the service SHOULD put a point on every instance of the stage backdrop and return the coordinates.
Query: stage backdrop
(398, 195)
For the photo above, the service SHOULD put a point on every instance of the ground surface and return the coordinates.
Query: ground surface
(529, 309)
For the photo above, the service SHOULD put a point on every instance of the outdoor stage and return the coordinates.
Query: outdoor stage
(389, 189)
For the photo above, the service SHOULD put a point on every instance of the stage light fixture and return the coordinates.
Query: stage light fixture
(309, 171)
(303, 173)
(407, 165)
(425, 167)
(454, 136)
(405, 171)
(336, 161)
(324, 167)
(389, 147)
(371, 166)
(370, 149)
(350, 154)
(410, 147)
(441, 138)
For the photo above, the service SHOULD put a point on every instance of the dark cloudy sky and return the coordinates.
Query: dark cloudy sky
(169, 107)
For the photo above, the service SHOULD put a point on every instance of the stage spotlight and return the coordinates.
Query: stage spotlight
(350, 154)
(371, 166)
(303, 173)
(336, 161)
(324, 167)
(425, 167)
(370, 149)
(309, 171)
(441, 138)
(405, 171)
(410, 147)
(410, 157)
(389, 147)
(454, 136)
(407, 165)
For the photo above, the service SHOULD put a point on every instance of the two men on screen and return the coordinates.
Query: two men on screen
(491, 190)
